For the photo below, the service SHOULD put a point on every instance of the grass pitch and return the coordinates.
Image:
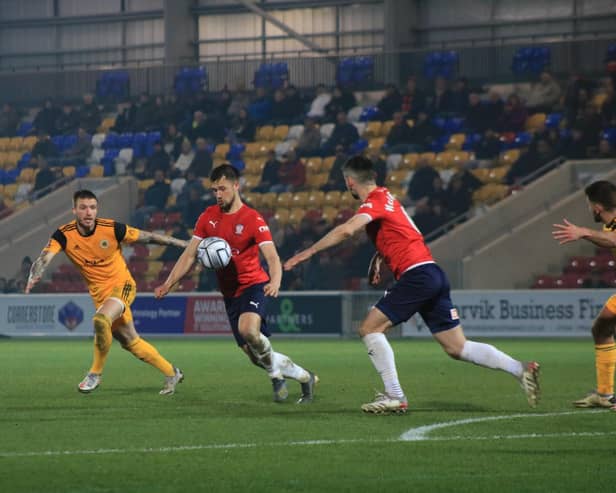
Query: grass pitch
(222, 432)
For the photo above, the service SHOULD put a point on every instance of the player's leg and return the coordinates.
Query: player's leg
(372, 331)
(605, 358)
(104, 317)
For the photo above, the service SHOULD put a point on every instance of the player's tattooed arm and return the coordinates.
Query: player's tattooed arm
(37, 269)
(374, 270)
(149, 237)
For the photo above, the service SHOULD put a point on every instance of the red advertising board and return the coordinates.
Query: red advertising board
(206, 315)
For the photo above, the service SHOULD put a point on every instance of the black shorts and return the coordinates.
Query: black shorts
(423, 289)
(253, 300)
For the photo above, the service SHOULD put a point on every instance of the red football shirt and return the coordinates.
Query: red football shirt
(393, 232)
(244, 230)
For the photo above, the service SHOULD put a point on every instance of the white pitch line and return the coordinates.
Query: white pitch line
(421, 432)
(418, 434)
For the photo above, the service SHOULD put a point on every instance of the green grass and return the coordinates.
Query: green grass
(118, 434)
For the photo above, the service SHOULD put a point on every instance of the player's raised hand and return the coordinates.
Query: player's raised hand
(160, 291)
(31, 283)
(297, 259)
(567, 232)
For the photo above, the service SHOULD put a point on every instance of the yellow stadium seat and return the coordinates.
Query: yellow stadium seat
(535, 121)
(252, 199)
(376, 143)
(207, 184)
(251, 181)
(598, 99)
(284, 200)
(144, 184)
(429, 157)
(264, 148)
(12, 158)
(221, 150)
(254, 166)
(482, 174)
(386, 128)
(217, 161)
(327, 163)
(107, 123)
(398, 192)
(282, 216)
(251, 150)
(300, 199)
(96, 171)
(4, 143)
(444, 160)
(171, 200)
(317, 180)
(266, 132)
(28, 143)
(296, 215)
(509, 157)
(316, 199)
(496, 175)
(26, 175)
(333, 198)
(15, 144)
(10, 190)
(455, 142)
(409, 161)
(373, 129)
(69, 171)
(490, 194)
(330, 213)
(395, 178)
(281, 132)
(313, 164)
(268, 200)
(347, 201)
(460, 158)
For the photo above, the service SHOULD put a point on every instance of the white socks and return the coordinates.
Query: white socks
(382, 357)
(289, 369)
(490, 357)
(264, 354)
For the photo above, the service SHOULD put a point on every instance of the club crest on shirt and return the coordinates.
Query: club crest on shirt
(104, 244)
(239, 228)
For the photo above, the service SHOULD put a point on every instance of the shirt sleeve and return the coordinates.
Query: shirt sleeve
(373, 208)
(262, 232)
(124, 233)
(199, 231)
(56, 243)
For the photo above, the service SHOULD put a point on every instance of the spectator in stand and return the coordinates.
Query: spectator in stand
(291, 174)
(319, 103)
(390, 103)
(309, 143)
(429, 216)
(196, 128)
(335, 180)
(514, 115)
(570, 101)
(3, 284)
(421, 185)
(171, 252)
(379, 165)
(458, 198)
(423, 133)
(176, 110)
(191, 182)
(574, 147)
(44, 178)
(212, 129)
(295, 106)
(487, 150)
(279, 111)
(158, 161)
(155, 199)
(89, 114)
(543, 95)
(493, 110)
(194, 206)
(45, 120)
(605, 150)
(125, 118)
(144, 114)
(11, 287)
(44, 147)
(590, 122)
(459, 96)
(608, 108)
(240, 100)
(341, 102)
(438, 193)
(67, 121)
(183, 162)
(537, 156)
(260, 109)
(160, 113)
(344, 134)
(269, 178)
(173, 141)
(475, 114)
(138, 168)
(575, 105)
(83, 146)
(9, 119)
(243, 128)
(440, 101)
(413, 99)
(202, 163)
(400, 136)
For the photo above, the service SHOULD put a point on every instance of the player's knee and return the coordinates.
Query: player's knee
(101, 322)
(453, 350)
(603, 328)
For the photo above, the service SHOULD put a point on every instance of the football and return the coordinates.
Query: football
(214, 253)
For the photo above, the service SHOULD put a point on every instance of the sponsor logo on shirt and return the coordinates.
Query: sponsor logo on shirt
(263, 229)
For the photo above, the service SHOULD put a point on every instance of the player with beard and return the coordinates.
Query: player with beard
(94, 246)
(421, 286)
(601, 198)
(244, 284)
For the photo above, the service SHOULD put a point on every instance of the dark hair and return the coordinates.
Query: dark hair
(602, 192)
(225, 171)
(83, 194)
(360, 168)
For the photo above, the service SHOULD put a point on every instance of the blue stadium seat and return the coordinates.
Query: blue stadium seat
(111, 141)
(81, 171)
(531, 59)
(358, 147)
(609, 134)
(522, 139)
(553, 120)
(355, 71)
(125, 140)
(24, 129)
(370, 113)
(190, 80)
(113, 86)
(441, 64)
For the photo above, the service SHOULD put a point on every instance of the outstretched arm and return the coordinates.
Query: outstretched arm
(149, 237)
(569, 232)
(180, 269)
(37, 269)
(335, 236)
(275, 269)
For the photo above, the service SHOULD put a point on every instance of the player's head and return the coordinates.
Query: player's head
(601, 197)
(358, 171)
(225, 186)
(85, 208)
